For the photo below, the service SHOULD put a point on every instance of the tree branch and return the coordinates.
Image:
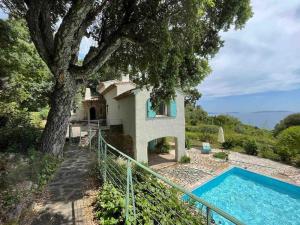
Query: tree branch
(37, 18)
(67, 36)
(82, 30)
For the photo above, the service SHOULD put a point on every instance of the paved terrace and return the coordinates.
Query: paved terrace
(204, 167)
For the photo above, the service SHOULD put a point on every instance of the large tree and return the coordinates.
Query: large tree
(160, 43)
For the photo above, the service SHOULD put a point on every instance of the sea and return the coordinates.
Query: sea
(261, 119)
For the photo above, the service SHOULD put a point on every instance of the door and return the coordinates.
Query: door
(92, 113)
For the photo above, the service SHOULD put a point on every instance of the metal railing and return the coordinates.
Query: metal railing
(150, 197)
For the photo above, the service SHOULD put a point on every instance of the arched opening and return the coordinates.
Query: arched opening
(93, 113)
(162, 152)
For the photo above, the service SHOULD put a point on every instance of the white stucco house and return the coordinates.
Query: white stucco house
(119, 102)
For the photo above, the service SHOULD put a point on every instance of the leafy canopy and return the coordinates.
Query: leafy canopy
(25, 79)
(163, 44)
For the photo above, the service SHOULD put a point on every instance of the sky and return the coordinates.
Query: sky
(259, 66)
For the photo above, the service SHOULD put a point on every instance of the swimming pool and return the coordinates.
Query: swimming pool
(252, 198)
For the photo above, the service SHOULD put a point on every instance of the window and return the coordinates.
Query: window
(162, 110)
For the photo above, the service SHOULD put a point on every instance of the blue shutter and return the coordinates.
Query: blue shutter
(173, 108)
(150, 112)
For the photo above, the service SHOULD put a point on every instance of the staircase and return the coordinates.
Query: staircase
(86, 139)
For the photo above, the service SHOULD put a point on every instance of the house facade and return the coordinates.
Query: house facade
(130, 107)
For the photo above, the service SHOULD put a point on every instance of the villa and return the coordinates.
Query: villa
(119, 103)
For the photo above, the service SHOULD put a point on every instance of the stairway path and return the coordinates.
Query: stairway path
(65, 204)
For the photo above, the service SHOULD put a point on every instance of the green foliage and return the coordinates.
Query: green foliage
(16, 132)
(25, 78)
(109, 206)
(289, 143)
(222, 120)
(228, 144)
(187, 143)
(194, 115)
(221, 155)
(43, 113)
(291, 120)
(185, 159)
(191, 97)
(250, 147)
(163, 146)
(266, 151)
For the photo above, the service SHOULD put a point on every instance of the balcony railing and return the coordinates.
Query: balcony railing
(150, 197)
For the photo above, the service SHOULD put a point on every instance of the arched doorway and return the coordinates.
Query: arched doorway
(162, 152)
(92, 113)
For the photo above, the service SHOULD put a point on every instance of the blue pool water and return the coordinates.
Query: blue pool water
(252, 198)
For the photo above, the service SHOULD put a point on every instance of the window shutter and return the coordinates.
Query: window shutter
(150, 112)
(173, 108)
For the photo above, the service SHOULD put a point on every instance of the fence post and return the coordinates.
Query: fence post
(79, 134)
(104, 161)
(70, 133)
(208, 216)
(129, 192)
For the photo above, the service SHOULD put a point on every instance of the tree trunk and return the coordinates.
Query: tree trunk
(54, 135)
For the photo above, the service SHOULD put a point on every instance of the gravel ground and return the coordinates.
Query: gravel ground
(204, 167)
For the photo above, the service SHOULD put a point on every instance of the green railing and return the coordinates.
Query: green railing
(151, 198)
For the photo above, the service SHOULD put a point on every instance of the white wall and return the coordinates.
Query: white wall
(114, 110)
(123, 87)
(148, 129)
(127, 114)
(112, 114)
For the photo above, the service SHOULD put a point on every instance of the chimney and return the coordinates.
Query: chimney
(125, 78)
(87, 95)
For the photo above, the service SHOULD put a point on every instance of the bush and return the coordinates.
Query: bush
(228, 144)
(17, 134)
(250, 147)
(289, 121)
(185, 159)
(187, 143)
(297, 160)
(162, 147)
(110, 205)
(221, 155)
(44, 113)
(289, 143)
(266, 152)
(208, 138)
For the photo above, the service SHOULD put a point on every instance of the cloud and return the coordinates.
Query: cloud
(262, 57)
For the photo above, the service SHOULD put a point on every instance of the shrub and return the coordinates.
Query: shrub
(221, 155)
(228, 144)
(110, 205)
(187, 143)
(297, 160)
(208, 138)
(185, 159)
(289, 143)
(44, 113)
(163, 146)
(266, 152)
(289, 121)
(250, 147)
